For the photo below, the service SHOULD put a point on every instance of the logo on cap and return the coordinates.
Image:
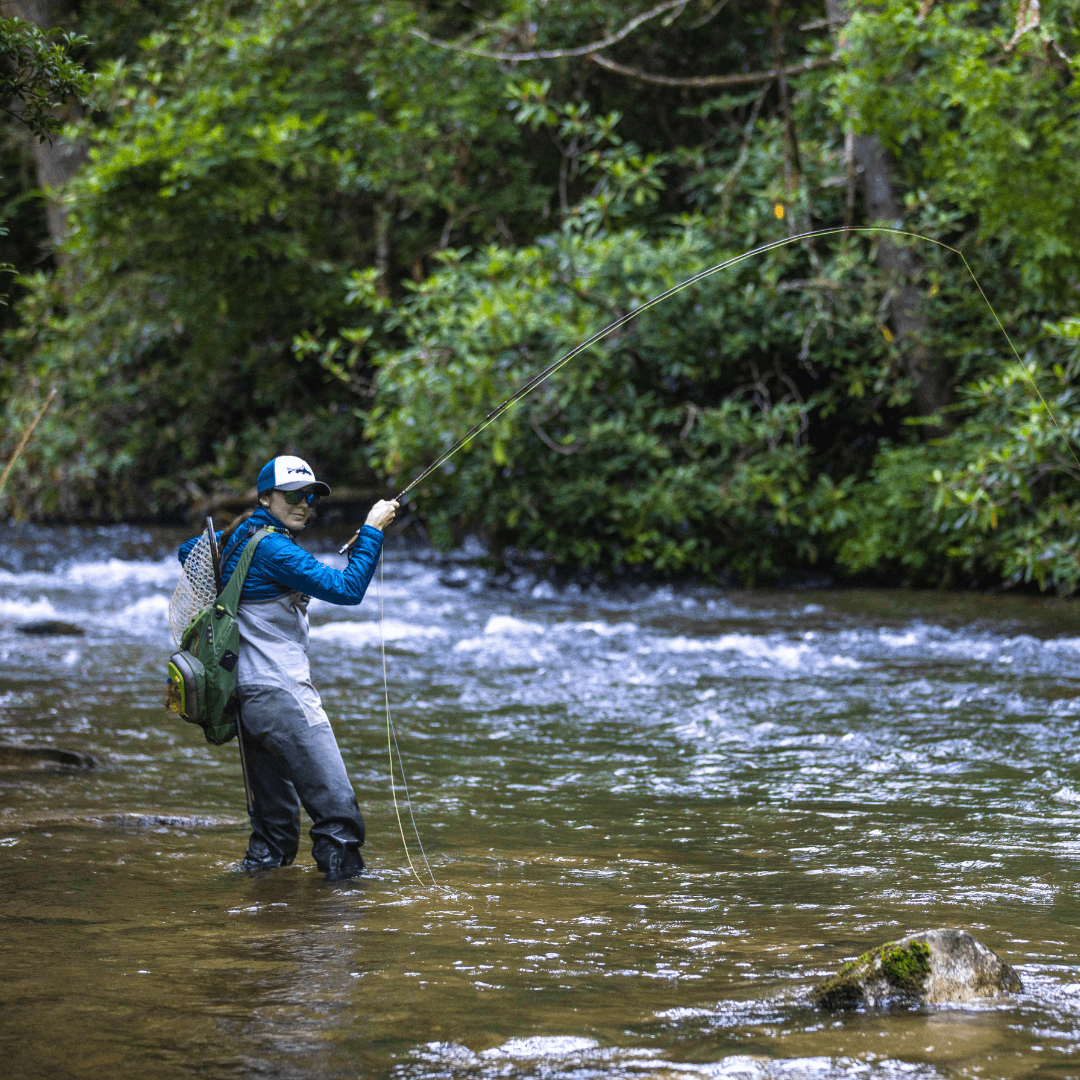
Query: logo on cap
(284, 471)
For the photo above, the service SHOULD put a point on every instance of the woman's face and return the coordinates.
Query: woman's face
(294, 518)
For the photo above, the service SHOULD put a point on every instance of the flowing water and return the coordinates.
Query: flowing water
(656, 816)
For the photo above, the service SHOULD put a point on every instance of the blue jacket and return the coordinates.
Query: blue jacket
(281, 565)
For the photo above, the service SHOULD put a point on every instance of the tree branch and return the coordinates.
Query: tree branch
(1028, 14)
(556, 54)
(746, 78)
(728, 188)
(548, 441)
(792, 166)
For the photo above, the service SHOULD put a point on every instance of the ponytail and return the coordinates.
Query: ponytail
(235, 524)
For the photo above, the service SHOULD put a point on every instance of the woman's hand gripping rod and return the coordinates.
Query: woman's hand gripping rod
(379, 516)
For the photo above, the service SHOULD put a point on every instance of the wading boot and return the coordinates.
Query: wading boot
(261, 856)
(338, 870)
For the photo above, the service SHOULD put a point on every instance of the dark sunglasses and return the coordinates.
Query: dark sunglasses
(294, 498)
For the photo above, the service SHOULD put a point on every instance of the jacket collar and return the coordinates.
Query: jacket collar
(263, 519)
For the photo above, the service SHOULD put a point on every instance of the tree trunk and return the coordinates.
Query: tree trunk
(55, 162)
(792, 165)
(909, 320)
(881, 205)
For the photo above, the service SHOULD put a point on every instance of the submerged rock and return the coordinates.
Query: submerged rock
(165, 821)
(930, 967)
(50, 628)
(10, 820)
(27, 757)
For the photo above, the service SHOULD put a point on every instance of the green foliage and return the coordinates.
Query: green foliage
(38, 74)
(998, 497)
(242, 171)
(971, 117)
(642, 453)
(304, 227)
(680, 443)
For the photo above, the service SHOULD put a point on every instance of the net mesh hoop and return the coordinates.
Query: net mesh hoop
(196, 590)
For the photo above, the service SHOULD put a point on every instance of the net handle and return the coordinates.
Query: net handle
(215, 555)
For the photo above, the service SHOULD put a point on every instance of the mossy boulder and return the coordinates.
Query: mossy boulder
(930, 967)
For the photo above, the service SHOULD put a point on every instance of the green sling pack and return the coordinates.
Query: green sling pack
(202, 675)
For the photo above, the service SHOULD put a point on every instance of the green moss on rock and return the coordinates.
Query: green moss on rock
(844, 990)
(906, 968)
(932, 966)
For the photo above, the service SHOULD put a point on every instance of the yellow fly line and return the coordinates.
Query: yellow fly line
(527, 388)
(391, 742)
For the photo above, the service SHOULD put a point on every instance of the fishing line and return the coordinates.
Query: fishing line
(527, 388)
(392, 731)
(408, 803)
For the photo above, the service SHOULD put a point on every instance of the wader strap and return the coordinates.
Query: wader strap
(229, 599)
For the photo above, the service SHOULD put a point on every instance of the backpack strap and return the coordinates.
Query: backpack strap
(229, 599)
(237, 539)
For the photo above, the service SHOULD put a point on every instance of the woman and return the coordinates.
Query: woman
(292, 756)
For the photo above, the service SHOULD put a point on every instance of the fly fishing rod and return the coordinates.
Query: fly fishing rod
(215, 556)
(530, 385)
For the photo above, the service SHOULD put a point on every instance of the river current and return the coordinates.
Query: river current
(656, 816)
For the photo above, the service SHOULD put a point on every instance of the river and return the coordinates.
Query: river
(656, 816)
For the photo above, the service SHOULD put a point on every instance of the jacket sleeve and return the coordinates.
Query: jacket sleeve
(187, 545)
(185, 549)
(293, 567)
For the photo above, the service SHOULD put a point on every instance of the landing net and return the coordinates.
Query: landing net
(196, 590)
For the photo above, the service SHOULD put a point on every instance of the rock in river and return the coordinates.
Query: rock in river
(27, 757)
(50, 628)
(930, 967)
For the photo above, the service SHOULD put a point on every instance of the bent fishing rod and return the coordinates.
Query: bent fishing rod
(530, 385)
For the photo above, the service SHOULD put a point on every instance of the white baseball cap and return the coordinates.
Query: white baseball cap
(288, 473)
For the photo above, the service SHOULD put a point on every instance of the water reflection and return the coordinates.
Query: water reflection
(657, 816)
